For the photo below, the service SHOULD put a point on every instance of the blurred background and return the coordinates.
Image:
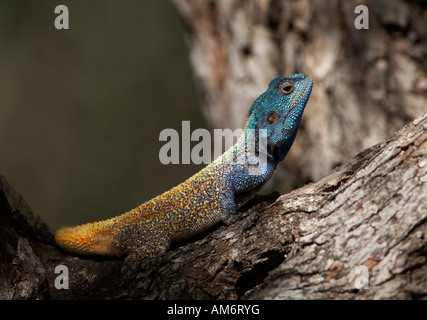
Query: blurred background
(81, 109)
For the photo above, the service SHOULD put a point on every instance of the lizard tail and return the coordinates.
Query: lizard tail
(89, 238)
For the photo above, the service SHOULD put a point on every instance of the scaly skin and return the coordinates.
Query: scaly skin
(208, 197)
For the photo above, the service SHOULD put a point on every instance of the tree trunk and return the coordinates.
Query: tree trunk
(363, 225)
(358, 233)
(367, 83)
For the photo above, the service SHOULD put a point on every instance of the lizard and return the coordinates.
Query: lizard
(210, 196)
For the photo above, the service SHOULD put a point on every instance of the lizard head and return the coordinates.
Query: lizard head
(279, 110)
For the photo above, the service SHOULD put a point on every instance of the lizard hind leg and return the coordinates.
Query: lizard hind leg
(145, 248)
(143, 243)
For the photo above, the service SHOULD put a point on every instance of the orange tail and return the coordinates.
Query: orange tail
(90, 238)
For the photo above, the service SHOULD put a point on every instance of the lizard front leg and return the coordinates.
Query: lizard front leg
(227, 201)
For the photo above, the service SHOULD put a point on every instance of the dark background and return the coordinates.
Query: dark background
(81, 109)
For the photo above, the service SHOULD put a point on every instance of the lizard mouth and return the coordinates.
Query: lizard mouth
(270, 152)
(275, 152)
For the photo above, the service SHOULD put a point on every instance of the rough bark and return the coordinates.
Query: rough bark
(305, 244)
(367, 83)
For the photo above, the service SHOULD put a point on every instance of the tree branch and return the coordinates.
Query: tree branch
(305, 244)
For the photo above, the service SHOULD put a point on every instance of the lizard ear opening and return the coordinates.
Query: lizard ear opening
(271, 118)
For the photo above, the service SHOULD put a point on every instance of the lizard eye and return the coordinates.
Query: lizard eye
(287, 88)
(271, 118)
